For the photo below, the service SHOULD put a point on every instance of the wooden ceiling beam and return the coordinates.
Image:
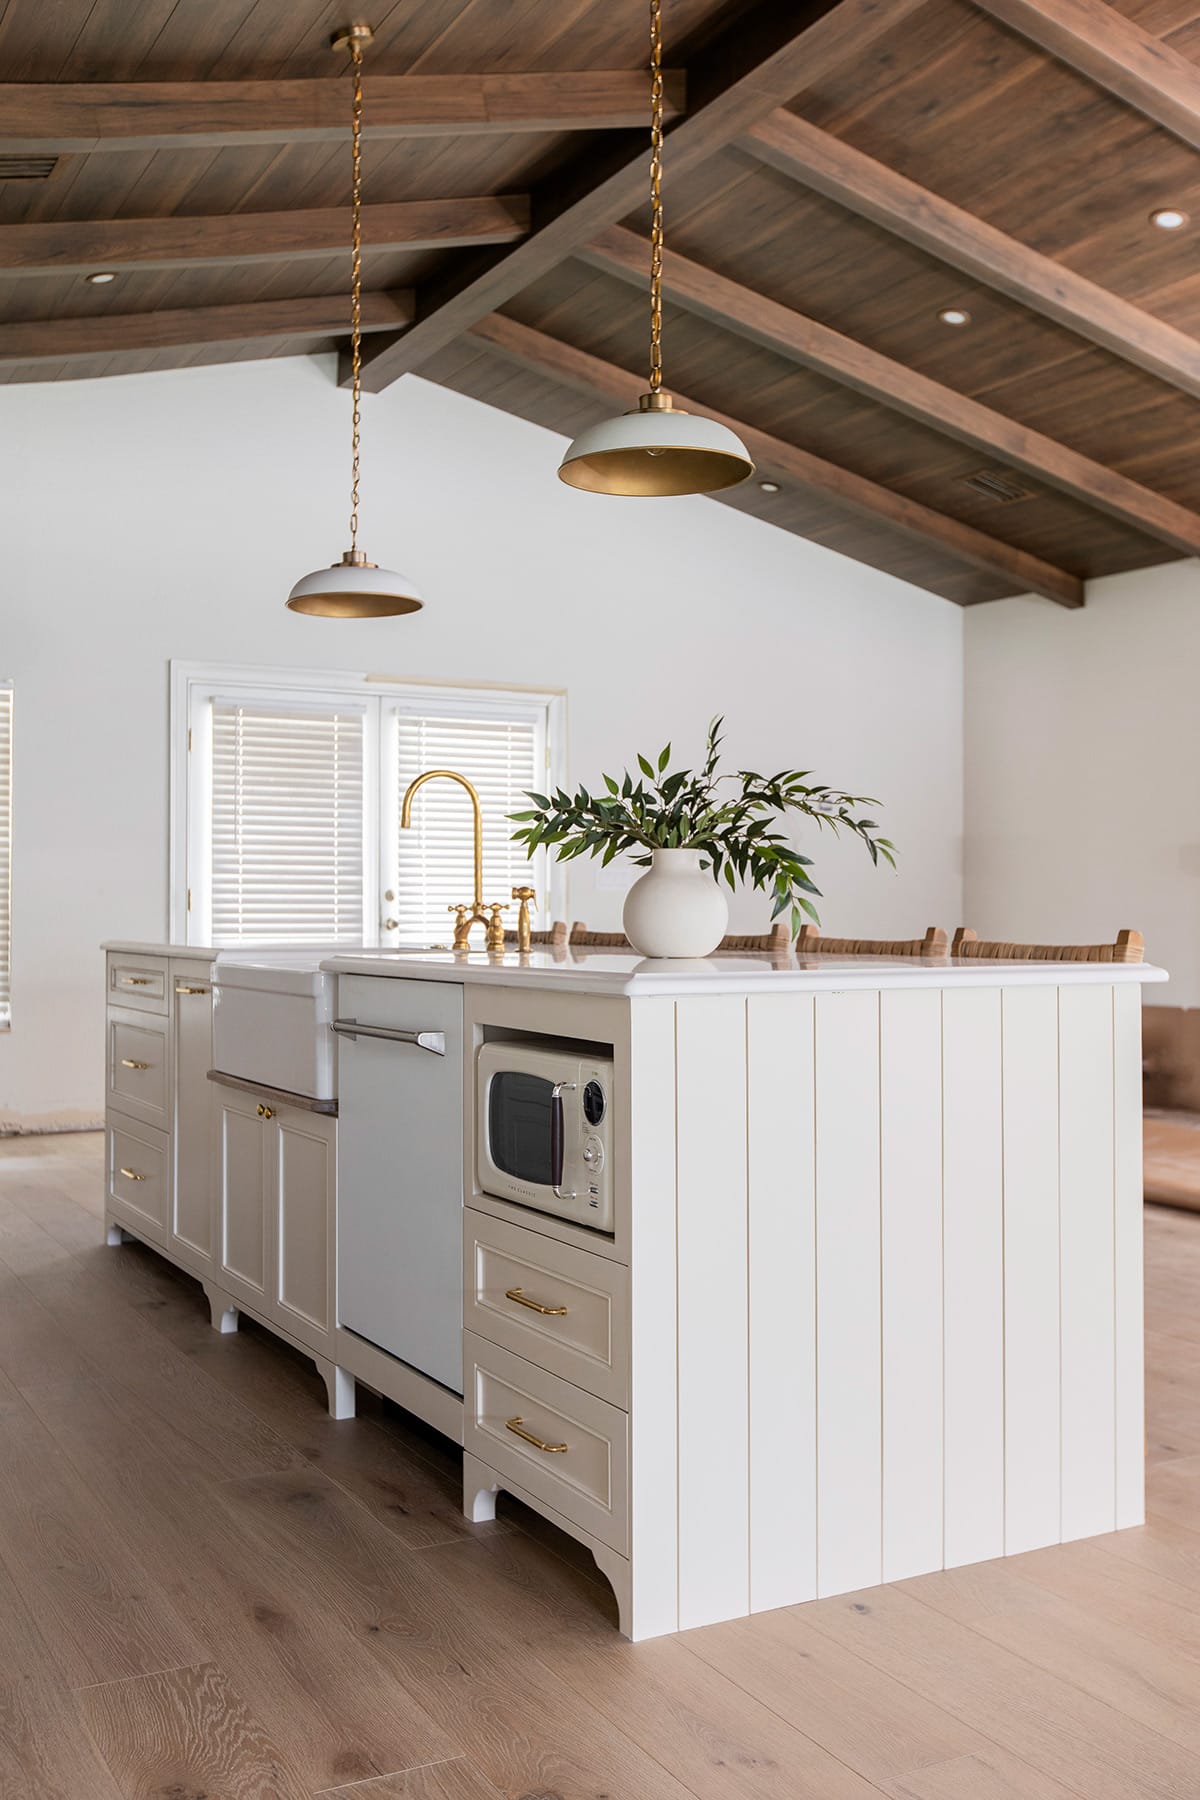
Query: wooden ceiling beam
(774, 457)
(1113, 52)
(257, 321)
(43, 118)
(843, 174)
(74, 246)
(762, 59)
(898, 387)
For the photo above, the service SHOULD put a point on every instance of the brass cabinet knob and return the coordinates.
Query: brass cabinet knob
(265, 1112)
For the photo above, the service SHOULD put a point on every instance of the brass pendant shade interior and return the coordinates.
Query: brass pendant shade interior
(355, 588)
(656, 449)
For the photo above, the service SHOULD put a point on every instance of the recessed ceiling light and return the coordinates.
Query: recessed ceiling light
(954, 315)
(769, 487)
(100, 277)
(1169, 218)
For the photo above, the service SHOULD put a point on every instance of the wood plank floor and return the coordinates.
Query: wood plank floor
(209, 1591)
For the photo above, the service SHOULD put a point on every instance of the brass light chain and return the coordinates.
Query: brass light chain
(656, 205)
(356, 57)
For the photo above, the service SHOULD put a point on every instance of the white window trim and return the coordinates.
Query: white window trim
(193, 684)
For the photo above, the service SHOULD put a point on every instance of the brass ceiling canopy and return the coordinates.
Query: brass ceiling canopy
(656, 449)
(355, 588)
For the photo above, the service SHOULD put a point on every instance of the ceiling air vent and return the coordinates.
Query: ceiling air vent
(26, 168)
(998, 485)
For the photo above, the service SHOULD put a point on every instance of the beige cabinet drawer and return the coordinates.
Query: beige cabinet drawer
(137, 1066)
(139, 981)
(561, 1308)
(137, 1173)
(549, 1438)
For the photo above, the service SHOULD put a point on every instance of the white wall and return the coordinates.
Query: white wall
(156, 516)
(1082, 753)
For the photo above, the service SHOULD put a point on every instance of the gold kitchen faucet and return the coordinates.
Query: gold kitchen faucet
(465, 915)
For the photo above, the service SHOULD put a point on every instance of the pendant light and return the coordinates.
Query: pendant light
(355, 588)
(657, 448)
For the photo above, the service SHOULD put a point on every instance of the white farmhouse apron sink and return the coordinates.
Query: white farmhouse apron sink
(271, 1014)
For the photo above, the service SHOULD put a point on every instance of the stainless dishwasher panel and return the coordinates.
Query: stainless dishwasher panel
(400, 1169)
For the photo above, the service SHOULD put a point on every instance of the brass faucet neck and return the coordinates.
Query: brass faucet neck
(406, 820)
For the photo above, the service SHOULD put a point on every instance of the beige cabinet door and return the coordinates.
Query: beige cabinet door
(192, 1210)
(302, 1161)
(242, 1151)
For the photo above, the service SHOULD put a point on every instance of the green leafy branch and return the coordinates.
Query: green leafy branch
(685, 809)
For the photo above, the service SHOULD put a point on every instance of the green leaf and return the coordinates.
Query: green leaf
(664, 759)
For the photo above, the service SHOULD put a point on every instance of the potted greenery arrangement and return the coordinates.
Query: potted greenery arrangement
(688, 832)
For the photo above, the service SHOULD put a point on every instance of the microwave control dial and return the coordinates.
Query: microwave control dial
(594, 1104)
(593, 1154)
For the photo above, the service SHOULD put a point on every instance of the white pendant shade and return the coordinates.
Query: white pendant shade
(656, 450)
(354, 590)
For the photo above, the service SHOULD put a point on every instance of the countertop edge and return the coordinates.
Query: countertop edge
(968, 972)
(182, 952)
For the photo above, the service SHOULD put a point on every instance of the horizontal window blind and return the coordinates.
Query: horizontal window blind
(500, 758)
(287, 824)
(6, 720)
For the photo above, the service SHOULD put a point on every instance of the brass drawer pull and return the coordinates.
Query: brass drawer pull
(517, 1427)
(522, 1299)
(265, 1112)
(132, 1175)
(180, 989)
(137, 981)
(131, 1062)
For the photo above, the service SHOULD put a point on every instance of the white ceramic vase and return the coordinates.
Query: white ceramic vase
(675, 908)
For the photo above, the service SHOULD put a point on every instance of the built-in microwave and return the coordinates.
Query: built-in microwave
(543, 1123)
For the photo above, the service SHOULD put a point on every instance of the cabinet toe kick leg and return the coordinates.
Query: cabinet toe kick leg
(339, 1385)
(224, 1312)
(114, 1235)
(480, 1488)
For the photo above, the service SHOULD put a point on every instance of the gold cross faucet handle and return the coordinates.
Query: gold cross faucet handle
(462, 927)
(526, 895)
(495, 927)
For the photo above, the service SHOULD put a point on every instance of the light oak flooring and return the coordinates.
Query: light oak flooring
(209, 1591)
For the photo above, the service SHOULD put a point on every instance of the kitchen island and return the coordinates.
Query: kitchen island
(868, 1303)
(871, 1303)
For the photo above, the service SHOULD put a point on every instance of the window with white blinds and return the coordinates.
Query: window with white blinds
(287, 824)
(6, 721)
(286, 789)
(502, 758)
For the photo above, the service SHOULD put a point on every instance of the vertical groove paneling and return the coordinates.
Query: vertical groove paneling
(973, 1249)
(910, 1099)
(1088, 1301)
(1032, 1494)
(714, 1581)
(1127, 1244)
(849, 1399)
(780, 1118)
(653, 1412)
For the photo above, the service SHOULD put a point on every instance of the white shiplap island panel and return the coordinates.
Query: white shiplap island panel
(880, 1224)
(872, 1189)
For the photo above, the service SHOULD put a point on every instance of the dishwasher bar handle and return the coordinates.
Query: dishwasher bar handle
(434, 1041)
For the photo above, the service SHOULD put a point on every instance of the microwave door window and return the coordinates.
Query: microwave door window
(520, 1114)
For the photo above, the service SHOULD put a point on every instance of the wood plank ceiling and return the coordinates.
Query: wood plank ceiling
(839, 173)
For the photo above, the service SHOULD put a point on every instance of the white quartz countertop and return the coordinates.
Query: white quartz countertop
(134, 947)
(624, 972)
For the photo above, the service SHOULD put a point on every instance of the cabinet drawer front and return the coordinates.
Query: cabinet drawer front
(140, 982)
(550, 1438)
(137, 1067)
(137, 1175)
(564, 1310)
